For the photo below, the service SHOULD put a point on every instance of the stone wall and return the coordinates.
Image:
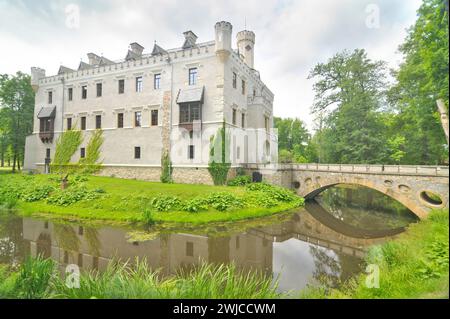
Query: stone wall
(132, 172)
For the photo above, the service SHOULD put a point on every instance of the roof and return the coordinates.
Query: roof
(83, 66)
(64, 69)
(190, 95)
(158, 50)
(47, 111)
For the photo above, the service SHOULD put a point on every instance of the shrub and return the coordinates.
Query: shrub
(219, 172)
(165, 203)
(35, 192)
(224, 201)
(147, 217)
(72, 195)
(194, 205)
(166, 169)
(241, 180)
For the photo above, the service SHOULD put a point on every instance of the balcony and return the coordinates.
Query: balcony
(46, 136)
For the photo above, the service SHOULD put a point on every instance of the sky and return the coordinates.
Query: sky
(291, 35)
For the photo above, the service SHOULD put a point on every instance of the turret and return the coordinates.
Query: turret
(246, 46)
(223, 38)
(36, 75)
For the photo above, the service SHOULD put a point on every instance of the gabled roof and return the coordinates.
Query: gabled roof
(105, 61)
(47, 111)
(190, 95)
(83, 66)
(157, 50)
(64, 69)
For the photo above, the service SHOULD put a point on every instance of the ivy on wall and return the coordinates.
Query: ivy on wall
(219, 163)
(166, 169)
(66, 145)
(91, 164)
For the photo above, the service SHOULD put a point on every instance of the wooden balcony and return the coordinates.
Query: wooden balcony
(46, 136)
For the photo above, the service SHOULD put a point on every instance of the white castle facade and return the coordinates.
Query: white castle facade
(164, 102)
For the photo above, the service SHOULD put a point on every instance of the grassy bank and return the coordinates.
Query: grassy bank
(416, 265)
(38, 278)
(122, 200)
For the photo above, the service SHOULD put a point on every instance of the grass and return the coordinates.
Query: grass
(123, 280)
(416, 265)
(123, 200)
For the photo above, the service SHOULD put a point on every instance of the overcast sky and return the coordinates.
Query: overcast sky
(291, 35)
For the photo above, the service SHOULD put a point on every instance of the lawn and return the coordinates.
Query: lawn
(122, 200)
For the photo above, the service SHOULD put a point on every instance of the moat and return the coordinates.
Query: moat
(324, 242)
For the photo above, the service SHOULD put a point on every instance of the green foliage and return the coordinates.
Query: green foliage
(219, 163)
(240, 180)
(66, 145)
(34, 192)
(164, 203)
(90, 163)
(166, 169)
(16, 116)
(72, 195)
(224, 201)
(147, 217)
(34, 277)
(195, 205)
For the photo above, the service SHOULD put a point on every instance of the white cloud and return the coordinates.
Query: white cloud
(291, 36)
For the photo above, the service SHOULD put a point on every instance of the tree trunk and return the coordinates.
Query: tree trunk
(14, 163)
(444, 116)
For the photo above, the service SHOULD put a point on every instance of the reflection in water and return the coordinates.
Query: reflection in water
(308, 247)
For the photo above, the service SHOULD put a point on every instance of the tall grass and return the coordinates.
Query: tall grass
(125, 280)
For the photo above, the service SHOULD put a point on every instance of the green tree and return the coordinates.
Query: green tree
(349, 94)
(293, 140)
(16, 114)
(421, 80)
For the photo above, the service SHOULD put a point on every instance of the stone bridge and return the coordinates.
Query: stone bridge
(419, 188)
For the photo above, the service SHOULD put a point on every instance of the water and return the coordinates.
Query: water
(321, 243)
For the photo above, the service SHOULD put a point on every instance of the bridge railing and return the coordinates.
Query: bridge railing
(426, 170)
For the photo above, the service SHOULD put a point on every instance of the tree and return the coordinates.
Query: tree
(422, 80)
(16, 114)
(293, 140)
(349, 94)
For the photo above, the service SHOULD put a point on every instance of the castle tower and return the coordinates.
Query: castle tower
(223, 38)
(246, 46)
(36, 75)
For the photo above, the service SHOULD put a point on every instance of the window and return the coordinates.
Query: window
(254, 92)
(243, 120)
(192, 76)
(243, 87)
(82, 152)
(98, 121)
(80, 260)
(234, 80)
(137, 152)
(191, 152)
(121, 86)
(46, 125)
(266, 123)
(69, 123)
(50, 97)
(234, 117)
(47, 153)
(189, 112)
(189, 249)
(157, 81)
(99, 89)
(70, 93)
(120, 120)
(137, 119)
(139, 84)
(83, 123)
(238, 152)
(154, 117)
(84, 92)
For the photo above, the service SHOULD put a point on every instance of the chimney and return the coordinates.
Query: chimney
(94, 59)
(189, 39)
(136, 48)
(246, 44)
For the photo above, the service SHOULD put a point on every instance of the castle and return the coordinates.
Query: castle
(169, 101)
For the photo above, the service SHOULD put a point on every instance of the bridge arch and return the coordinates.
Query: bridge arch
(410, 195)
